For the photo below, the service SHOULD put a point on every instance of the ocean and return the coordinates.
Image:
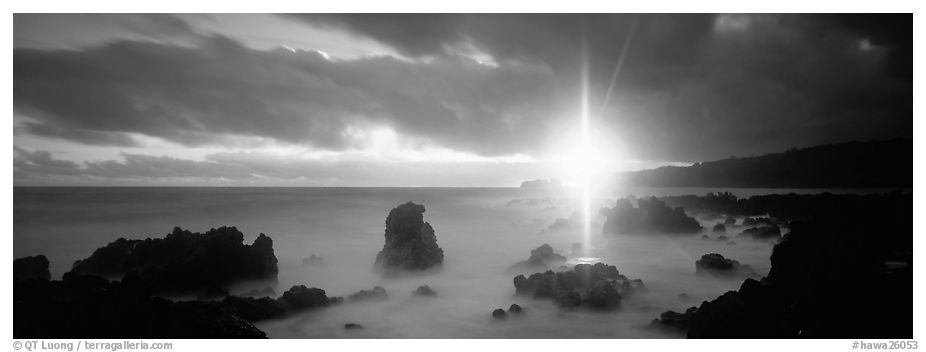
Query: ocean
(482, 231)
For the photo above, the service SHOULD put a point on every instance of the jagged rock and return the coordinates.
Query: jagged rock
(31, 268)
(84, 306)
(577, 287)
(705, 237)
(296, 299)
(313, 260)
(651, 216)
(424, 290)
(722, 238)
(541, 259)
(751, 222)
(301, 297)
(352, 326)
(763, 233)
(515, 309)
(730, 221)
(604, 294)
(499, 314)
(720, 228)
(812, 289)
(751, 312)
(378, 293)
(716, 264)
(184, 260)
(410, 242)
(675, 320)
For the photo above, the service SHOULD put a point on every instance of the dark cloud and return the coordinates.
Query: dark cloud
(694, 87)
(700, 86)
(198, 96)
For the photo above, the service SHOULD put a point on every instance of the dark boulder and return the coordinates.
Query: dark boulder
(651, 216)
(184, 260)
(604, 294)
(296, 299)
(730, 221)
(762, 233)
(720, 228)
(716, 264)
(352, 326)
(515, 309)
(753, 312)
(751, 222)
(499, 314)
(598, 286)
(675, 321)
(301, 297)
(31, 268)
(378, 293)
(424, 290)
(410, 242)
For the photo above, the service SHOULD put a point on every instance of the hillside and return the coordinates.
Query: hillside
(850, 165)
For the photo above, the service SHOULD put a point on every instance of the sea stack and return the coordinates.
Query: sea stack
(410, 242)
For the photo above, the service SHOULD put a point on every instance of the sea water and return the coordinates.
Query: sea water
(482, 231)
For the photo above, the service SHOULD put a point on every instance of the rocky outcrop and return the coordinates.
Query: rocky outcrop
(499, 314)
(598, 286)
(31, 268)
(541, 259)
(410, 242)
(716, 265)
(812, 290)
(184, 260)
(424, 291)
(296, 299)
(757, 221)
(651, 216)
(720, 228)
(84, 306)
(378, 293)
(762, 233)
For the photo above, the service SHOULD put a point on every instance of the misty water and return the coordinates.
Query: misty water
(481, 231)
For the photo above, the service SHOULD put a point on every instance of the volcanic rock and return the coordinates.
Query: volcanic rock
(651, 216)
(184, 260)
(31, 268)
(424, 290)
(410, 242)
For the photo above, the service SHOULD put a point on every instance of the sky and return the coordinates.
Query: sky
(438, 99)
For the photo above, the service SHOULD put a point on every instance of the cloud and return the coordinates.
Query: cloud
(39, 167)
(198, 96)
(699, 86)
(694, 87)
